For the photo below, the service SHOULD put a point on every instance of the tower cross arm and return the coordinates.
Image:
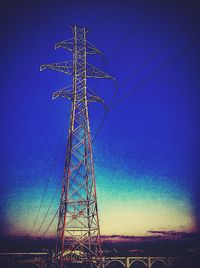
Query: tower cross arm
(91, 49)
(68, 94)
(94, 72)
(64, 93)
(68, 44)
(64, 67)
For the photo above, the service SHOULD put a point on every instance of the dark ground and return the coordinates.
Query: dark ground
(188, 247)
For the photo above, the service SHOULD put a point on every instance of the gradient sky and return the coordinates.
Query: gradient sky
(147, 152)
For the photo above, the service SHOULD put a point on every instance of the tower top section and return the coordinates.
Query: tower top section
(78, 67)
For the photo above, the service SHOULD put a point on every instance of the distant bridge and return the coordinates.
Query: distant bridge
(43, 260)
(140, 262)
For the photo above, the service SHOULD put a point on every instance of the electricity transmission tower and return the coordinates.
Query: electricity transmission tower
(78, 233)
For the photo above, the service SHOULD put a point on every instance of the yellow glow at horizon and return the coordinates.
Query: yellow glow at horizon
(130, 210)
(138, 219)
(129, 219)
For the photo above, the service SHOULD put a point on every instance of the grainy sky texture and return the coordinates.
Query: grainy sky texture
(147, 151)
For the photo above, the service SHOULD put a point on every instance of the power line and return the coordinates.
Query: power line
(154, 54)
(43, 195)
(127, 36)
(51, 222)
(155, 73)
(127, 95)
(98, 129)
(40, 227)
(114, 50)
(111, 105)
(105, 61)
(107, 109)
(142, 65)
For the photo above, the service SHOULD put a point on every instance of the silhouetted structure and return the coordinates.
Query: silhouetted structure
(78, 234)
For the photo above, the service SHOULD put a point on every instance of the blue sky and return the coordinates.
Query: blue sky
(147, 152)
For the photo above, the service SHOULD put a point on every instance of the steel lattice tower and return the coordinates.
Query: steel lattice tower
(78, 233)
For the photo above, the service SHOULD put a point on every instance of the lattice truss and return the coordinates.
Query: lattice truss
(78, 234)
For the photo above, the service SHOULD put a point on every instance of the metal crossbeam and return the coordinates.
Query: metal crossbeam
(68, 94)
(67, 68)
(64, 67)
(69, 45)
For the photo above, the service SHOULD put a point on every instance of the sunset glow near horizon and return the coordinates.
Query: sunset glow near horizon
(127, 206)
(147, 153)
